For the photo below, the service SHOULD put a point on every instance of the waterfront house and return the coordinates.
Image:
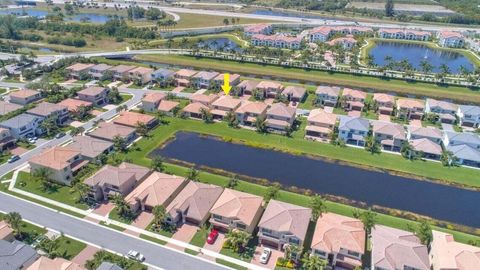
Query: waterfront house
(167, 107)
(6, 139)
(451, 138)
(23, 125)
(7, 107)
(24, 96)
(235, 210)
(206, 100)
(250, 30)
(392, 33)
(61, 162)
(234, 80)
(183, 77)
(408, 108)
(163, 76)
(108, 131)
(193, 203)
(95, 94)
(384, 103)
(77, 70)
(469, 115)
(46, 110)
(426, 148)
(140, 75)
(45, 263)
(294, 93)
(97, 71)
(465, 154)
(391, 136)
(397, 249)
(90, 148)
(280, 117)
(269, 89)
(445, 110)
(417, 35)
(203, 79)
(280, 41)
(320, 125)
(120, 72)
(448, 254)
(195, 110)
(157, 189)
(327, 95)
(73, 104)
(353, 99)
(347, 43)
(351, 30)
(319, 34)
(283, 224)
(224, 105)
(247, 87)
(451, 39)
(249, 111)
(340, 240)
(133, 119)
(151, 101)
(111, 180)
(16, 255)
(353, 130)
(431, 133)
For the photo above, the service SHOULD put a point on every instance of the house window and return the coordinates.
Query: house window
(241, 226)
(353, 253)
(218, 217)
(294, 241)
(320, 253)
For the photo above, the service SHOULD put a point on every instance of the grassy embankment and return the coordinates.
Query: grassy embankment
(234, 38)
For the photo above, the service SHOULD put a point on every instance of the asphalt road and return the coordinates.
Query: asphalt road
(155, 255)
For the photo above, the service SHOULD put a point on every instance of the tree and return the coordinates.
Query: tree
(444, 69)
(232, 181)
(424, 232)
(426, 66)
(159, 215)
(317, 203)
(82, 112)
(226, 21)
(77, 130)
(114, 96)
(122, 207)
(50, 247)
(14, 219)
(43, 175)
(157, 164)
(368, 219)
(141, 128)
(154, 14)
(193, 175)
(271, 193)
(292, 252)
(237, 239)
(206, 115)
(118, 143)
(389, 8)
(231, 119)
(448, 158)
(371, 145)
(313, 262)
(260, 125)
(407, 150)
(82, 190)
(49, 125)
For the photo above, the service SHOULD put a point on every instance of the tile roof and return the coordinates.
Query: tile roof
(282, 110)
(237, 205)
(449, 254)
(248, 85)
(426, 146)
(463, 137)
(6, 107)
(410, 103)
(117, 176)
(252, 107)
(89, 147)
(354, 93)
(353, 123)
(45, 263)
(426, 132)
(108, 266)
(445, 105)
(73, 104)
(163, 72)
(232, 78)
(469, 109)
(185, 73)
(92, 91)
(465, 152)
(154, 97)
(141, 70)
(195, 107)
(110, 130)
(56, 157)
(20, 121)
(328, 90)
(122, 68)
(167, 105)
(269, 84)
(131, 119)
(321, 116)
(202, 98)
(285, 217)
(13, 255)
(294, 91)
(46, 109)
(5, 229)
(24, 93)
(79, 66)
(383, 98)
(227, 102)
(101, 67)
(397, 131)
(256, 28)
(450, 34)
(206, 75)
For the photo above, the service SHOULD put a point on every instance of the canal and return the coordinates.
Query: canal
(372, 187)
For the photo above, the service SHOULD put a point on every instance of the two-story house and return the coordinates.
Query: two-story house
(6, 139)
(235, 210)
(120, 72)
(280, 117)
(163, 76)
(95, 94)
(23, 125)
(353, 130)
(206, 100)
(469, 115)
(451, 39)
(24, 96)
(224, 105)
(204, 79)
(408, 108)
(77, 70)
(283, 224)
(46, 110)
(151, 101)
(247, 87)
(248, 113)
(431, 133)
(340, 240)
(466, 155)
(384, 103)
(391, 136)
(7, 107)
(445, 110)
(353, 99)
(327, 95)
(183, 77)
(294, 93)
(98, 71)
(61, 162)
(451, 138)
(269, 89)
(446, 253)
(91, 148)
(218, 81)
(426, 148)
(320, 125)
(140, 75)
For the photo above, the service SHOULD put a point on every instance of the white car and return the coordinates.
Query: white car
(135, 255)
(265, 255)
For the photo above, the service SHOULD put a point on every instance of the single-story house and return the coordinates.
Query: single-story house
(108, 131)
(131, 119)
(194, 110)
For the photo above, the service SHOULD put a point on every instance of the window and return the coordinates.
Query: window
(320, 253)
(241, 226)
(294, 241)
(217, 217)
(353, 253)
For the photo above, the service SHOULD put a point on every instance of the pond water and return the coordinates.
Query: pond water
(223, 44)
(415, 53)
(372, 187)
(79, 17)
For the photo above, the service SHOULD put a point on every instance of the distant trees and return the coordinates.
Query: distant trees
(389, 6)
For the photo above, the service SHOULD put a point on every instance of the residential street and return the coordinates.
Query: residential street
(155, 255)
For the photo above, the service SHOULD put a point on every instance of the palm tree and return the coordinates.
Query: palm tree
(231, 119)
(159, 215)
(14, 219)
(43, 175)
(193, 174)
(118, 143)
(424, 232)
(407, 150)
(317, 203)
(313, 262)
(292, 252)
(444, 69)
(141, 128)
(448, 158)
(260, 124)
(368, 219)
(206, 115)
(464, 71)
(371, 145)
(232, 182)
(271, 193)
(49, 125)
(157, 164)
(50, 247)
(426, 66)
(82, 190)
(121, 206)
(237, 239)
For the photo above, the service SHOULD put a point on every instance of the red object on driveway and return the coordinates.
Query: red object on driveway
(212, 236)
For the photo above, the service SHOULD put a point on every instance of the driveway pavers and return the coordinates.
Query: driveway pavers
(142, 220)
(217, 246)
(104, 208)
(184, 233)
(85, 255)
(271, 262)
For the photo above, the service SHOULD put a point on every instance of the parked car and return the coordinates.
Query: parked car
(265, 255)
(135, 255)
(13, 158)
(212, 236)
(60, 135)
(32, 140)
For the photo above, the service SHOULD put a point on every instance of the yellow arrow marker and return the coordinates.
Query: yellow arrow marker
(226, 83)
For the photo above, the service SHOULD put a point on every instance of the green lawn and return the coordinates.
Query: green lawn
(26, 145)
(112, 226)
(63, 194)
(69, 248)
(199, 238)
(31, 231)
(7, 176)
(231, 265)
(398, 86)
(115, 216)
(105, 256)
(152, 239)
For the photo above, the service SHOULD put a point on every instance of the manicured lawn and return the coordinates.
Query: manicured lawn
(125, 98)
(7, 176)
(69, 248)
(112, 226)
(199, 238)
(402, 87)
(115, 216)
(188, 20)
(26, 145)
(152, 239)
(231, 265)
(63, 194)
(191, 252)
(31, 231)
(177, 41)
(161, 231)
(105, 256)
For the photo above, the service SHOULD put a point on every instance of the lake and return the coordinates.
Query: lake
(90, 17)
(374, 188)
(223, 44)
(415, 53)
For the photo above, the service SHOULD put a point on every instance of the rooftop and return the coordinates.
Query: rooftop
(92, 91)
(237, 205)
(154, 97)
(353, 123)
(294, 91)
(45, 109)
(282, 110)
(20, 120)
(89, 147)
(24, 93)
(45, 263)
(227, 102)
(449, 254)
(13, 255)
(73, 104)
(354, 93)
(109, 130)
(328, 90)
(252, 107)
(79, 67)
(56, 157)
(426, 146)
(131, 119)
(321, 116)
(7, 107)
(117, 176)
(410, 103)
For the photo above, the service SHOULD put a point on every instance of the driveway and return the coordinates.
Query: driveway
(273, 257)
(354, 113)
(447, 127)
(415, 123)
(104, 208)
(184, 233)
(143, 220)
(217, 246)
(85, 255)
(383, 117)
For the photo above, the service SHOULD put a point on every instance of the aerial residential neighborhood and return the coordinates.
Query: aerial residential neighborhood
(308, 135)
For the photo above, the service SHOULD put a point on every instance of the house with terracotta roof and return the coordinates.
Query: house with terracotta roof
(95, 94)
(7, 107)
(408, 108)
(23, 125)
(250, 30)
(224, 105)
(353, 130)
(391, 136)
(431, 133)
(204, 99)
(157, 189)
(6, 139)
(121, 72)
(320, 125)
(451, 39)
(279, 40)
(347, 43)
(184, 76)
(283, 224)
(269, 89)
(111, 180)
(353, 99)
(151, 101)
(132, 119)
(6, 232)
(397, 249)
(108, 131)
(46, 110)
(24, 96)
(193, 203)
(76, 70)
(235, 210)
(61, 162)
(448, 254)
(98, 71)
(163, 76)
(247, 87)
(294, 93)
(73, 104)
(168, 107)
(204, 79)
(319, 34)
(426, 148)
(391, 33)
(141, 75)
(327, 95)
(445, 110)
(249, 111)
(407, 34)
(45, 263)
(339, 240)
(194, 110)
(280, 117)
(90, 148)
(384, 103)
(469, 115)
(233, 80)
